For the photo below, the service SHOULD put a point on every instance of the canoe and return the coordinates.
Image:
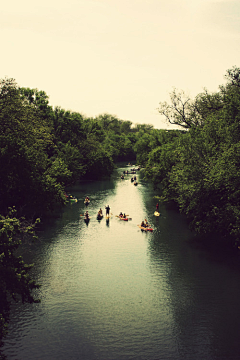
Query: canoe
(145, 228)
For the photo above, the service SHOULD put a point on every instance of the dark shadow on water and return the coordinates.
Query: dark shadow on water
(217, 249)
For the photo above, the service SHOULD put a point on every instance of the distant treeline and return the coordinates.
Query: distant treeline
(44, 149)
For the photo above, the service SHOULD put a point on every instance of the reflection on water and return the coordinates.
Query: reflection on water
(110, 291)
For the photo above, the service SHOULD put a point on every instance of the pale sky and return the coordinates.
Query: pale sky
(120, 57)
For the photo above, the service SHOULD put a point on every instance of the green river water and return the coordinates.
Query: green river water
(112, 292)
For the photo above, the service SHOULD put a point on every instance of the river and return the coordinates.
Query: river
(112, 292)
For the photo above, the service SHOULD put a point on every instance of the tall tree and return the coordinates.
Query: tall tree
(15, 281)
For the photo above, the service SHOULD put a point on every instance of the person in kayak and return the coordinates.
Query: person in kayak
(121, 214)
(100, 211)
(99, 215)
(107, 210)
(86, 201)
(143, 224)
(86, 215)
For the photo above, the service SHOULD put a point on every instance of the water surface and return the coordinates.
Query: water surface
(111, 292)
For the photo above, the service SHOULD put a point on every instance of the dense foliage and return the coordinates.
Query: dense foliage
(44, 149)
(198, 167)
(15, 281)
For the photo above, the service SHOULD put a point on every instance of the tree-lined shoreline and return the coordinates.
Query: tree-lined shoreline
(43, 150)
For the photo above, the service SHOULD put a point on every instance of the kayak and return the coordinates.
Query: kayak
(73, 200)
(157, 213)
(87, 219)
(99, 217)
(124, 219)
(145, 228)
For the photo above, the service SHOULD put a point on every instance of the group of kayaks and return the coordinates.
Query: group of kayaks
(99, 214)
(133, 171)
(144, 226)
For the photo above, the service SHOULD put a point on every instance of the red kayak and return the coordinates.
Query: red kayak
(145, 228)
(124, 219)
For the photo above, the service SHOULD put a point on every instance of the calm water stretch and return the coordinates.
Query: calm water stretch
(112, 292)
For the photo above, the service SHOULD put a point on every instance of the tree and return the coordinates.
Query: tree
(38, 99)
(161, 161)
(189, 113)
(15, 280)
(233, 77)
(179, 112)
(205, 179)
(143, 147)
(29, 178)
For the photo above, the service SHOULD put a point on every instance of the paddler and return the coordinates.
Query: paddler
(107, 210)
(146, 223)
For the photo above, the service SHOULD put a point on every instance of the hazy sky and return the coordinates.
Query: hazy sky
(119, 56)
